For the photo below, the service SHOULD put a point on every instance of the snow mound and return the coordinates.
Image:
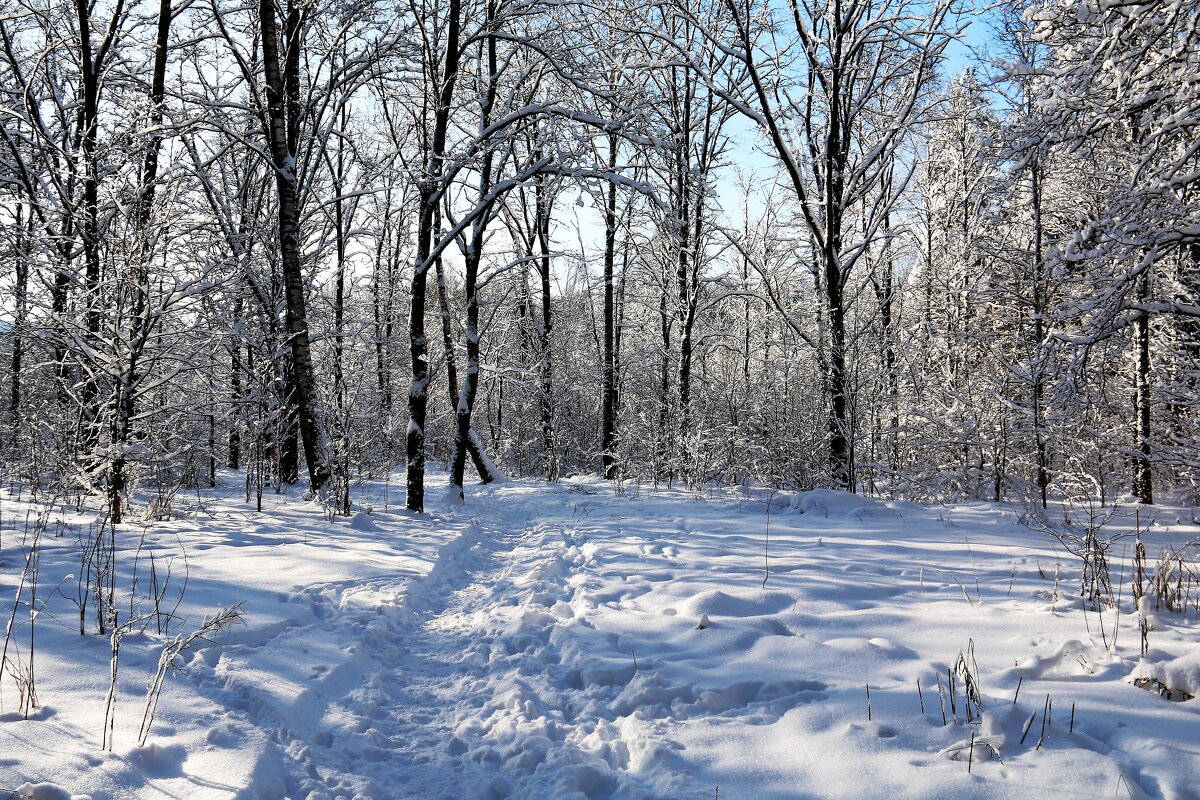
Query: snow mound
(159, 761)
(718, 603)
(830, 503)
(1069, 659)
(363, 523)
(46, 791)
(1177, 679)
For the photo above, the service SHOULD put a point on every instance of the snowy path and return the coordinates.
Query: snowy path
(452, 686)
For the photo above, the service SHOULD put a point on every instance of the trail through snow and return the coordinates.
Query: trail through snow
(567, 642)
(439, 681)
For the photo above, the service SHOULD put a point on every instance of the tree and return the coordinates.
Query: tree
(693, 117)
(283, 122)
(837, 86)
(1126, 102)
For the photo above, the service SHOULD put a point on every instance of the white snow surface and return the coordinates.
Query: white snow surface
(569, 641)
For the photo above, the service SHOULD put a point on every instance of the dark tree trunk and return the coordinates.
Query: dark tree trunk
(283, 130)
(471, 259)
(699, 144)
(418, 347)
(1143, 483)
(430, 195)
(482, 465)
(341, 237)
(125, 393)
(839, 417)
(665, 443)
(289, 427)
(23, 230)
(608, 435)
(88, 124)
(381, 308)
(690, 308)
(235, 391)
(1039, 336)
(89, 228)
(884, 295)
(470, 383)
(545, 342)
(835, 159)
(839, 406)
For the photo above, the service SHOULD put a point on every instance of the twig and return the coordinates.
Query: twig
(767, 541)
(166, 661)
(941, 698)
(1045, 713)
(1028, 725)
(953, 702)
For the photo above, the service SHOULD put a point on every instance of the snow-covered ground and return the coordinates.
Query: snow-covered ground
(568, 642)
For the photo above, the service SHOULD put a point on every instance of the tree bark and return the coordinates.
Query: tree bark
(543, 205)
(381, 309)
(1039, 336)
(89, 228)
(283, 129)
(288, 442)
(432, 184)
(472, 258)
(885, 297)
(125, 392)
(1143, 482)
(23, 231)
(609, 391)
(483, 465)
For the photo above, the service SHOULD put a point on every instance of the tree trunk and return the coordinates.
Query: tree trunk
(609, 401)
(884, 295)
(430, 196)
(834, 163)
(665, 444)
(1039, 336)
(235, 392)
(89, 229)
(125, 392)
(382, 314)
(545, 343)
(283, 127)
(288, 444)
(483, 465)
(1143, 484)
(341, 237)
(471, 259)
(839, 407)
(23, 231)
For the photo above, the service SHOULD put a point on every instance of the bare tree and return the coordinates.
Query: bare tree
(838, 86)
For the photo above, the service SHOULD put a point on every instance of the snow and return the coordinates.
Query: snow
(361, 521)
(567, 641)
(1180, 674)
(42, 791)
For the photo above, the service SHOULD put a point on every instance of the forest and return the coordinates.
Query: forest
(585, 399)
(685, 242)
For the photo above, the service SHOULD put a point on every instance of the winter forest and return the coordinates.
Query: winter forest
(608, 392)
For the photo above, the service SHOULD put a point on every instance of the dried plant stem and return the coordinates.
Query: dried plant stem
(166, 661)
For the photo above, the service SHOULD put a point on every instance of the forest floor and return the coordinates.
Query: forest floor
(566, 641)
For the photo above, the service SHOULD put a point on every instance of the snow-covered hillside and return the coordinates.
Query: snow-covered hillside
(564, 641)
